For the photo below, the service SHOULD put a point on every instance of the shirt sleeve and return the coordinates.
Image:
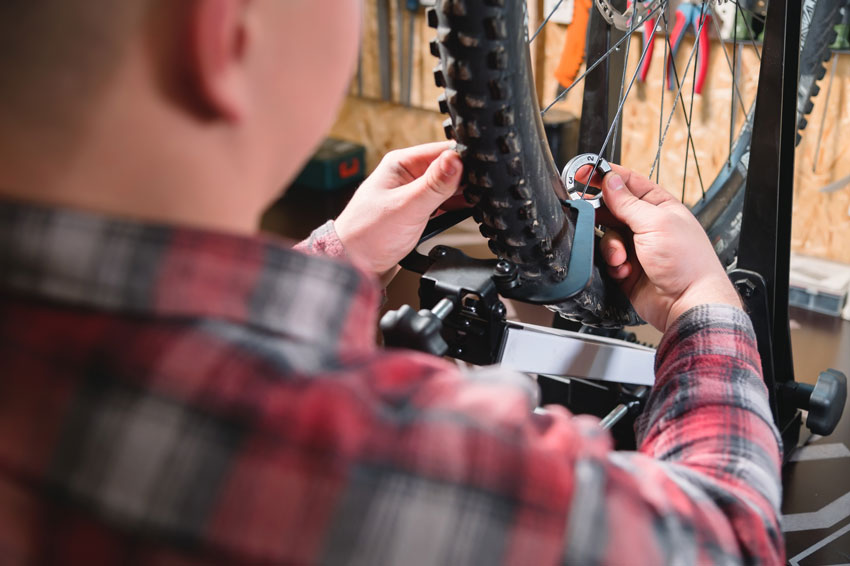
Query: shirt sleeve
(461, 469)
(705, 485)
(323, 241)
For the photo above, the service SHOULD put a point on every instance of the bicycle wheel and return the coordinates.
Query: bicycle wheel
(512, 180)
(720, 210)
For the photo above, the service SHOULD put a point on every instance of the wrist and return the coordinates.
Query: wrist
(717, 290)
(348, 238)
(353, 242)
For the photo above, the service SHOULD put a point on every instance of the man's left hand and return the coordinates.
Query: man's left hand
(386, 216)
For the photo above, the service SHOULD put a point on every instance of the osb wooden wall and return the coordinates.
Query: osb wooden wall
(821, 221)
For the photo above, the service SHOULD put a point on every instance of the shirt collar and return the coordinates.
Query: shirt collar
(90, 260)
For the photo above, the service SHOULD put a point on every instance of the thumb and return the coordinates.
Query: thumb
(440, 182)
(623, 204)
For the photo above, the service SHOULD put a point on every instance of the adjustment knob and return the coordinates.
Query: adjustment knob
(406, 328)
(824, 401)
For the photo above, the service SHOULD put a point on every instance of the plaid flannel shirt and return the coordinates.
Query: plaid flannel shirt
(177, 396)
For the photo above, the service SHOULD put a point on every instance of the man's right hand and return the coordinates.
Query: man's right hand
(663, 259)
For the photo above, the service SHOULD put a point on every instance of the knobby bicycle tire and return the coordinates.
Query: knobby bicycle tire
(817, 33)
(511, 178)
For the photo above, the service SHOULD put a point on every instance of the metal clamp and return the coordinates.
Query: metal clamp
(623, 20)
(580, 191)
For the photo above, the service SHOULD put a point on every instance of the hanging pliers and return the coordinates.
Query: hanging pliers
(649, 45)
(697, 15)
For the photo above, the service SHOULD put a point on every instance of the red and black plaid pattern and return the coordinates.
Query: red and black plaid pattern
(177, 396)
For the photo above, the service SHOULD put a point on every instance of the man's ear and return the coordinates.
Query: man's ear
(218, 44)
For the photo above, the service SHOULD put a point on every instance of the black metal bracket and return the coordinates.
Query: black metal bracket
(581, 262)
(473, 331)
(466, 317)
(461, 314)
(764, 248)
(579, 271)
(765, 241)
(416, 261)
(753, 290)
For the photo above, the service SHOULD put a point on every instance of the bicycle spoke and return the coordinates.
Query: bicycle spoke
(691, 114)
(604, 56)
(545, 21)
(677, 98)
(750, 29)
(687, 112)
(622, 85)
(620, 106)
(664, 79)
(731, 69)
(734, 82)
(756, 15)
(675, 102)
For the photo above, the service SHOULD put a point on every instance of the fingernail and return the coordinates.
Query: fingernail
(447, 165)
(615, 182)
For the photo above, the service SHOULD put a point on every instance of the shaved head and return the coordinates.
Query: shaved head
(185, 111)
(55, 55)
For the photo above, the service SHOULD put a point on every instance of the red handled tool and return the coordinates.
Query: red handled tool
(689, 14)
(649, 46)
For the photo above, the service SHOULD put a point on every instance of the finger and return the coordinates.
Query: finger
(625, 205)
(641, 187)
(583, 172)
(613, 248)
(439, 182)
(606, 218)
(628, 276)
(416, 160)
(620, 272)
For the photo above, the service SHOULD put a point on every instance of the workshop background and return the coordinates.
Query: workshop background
(822, 220)
(392, 104)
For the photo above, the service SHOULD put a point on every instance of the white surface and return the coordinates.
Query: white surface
(827, 516)
(535, 349)
(819, 275)
(564, 13)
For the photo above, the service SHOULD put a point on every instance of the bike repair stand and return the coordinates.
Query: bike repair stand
(761, 274)
(463, 316)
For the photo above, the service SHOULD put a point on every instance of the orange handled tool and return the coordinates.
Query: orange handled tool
(573, 52)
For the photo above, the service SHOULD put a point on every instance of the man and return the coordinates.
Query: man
(176, 389)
